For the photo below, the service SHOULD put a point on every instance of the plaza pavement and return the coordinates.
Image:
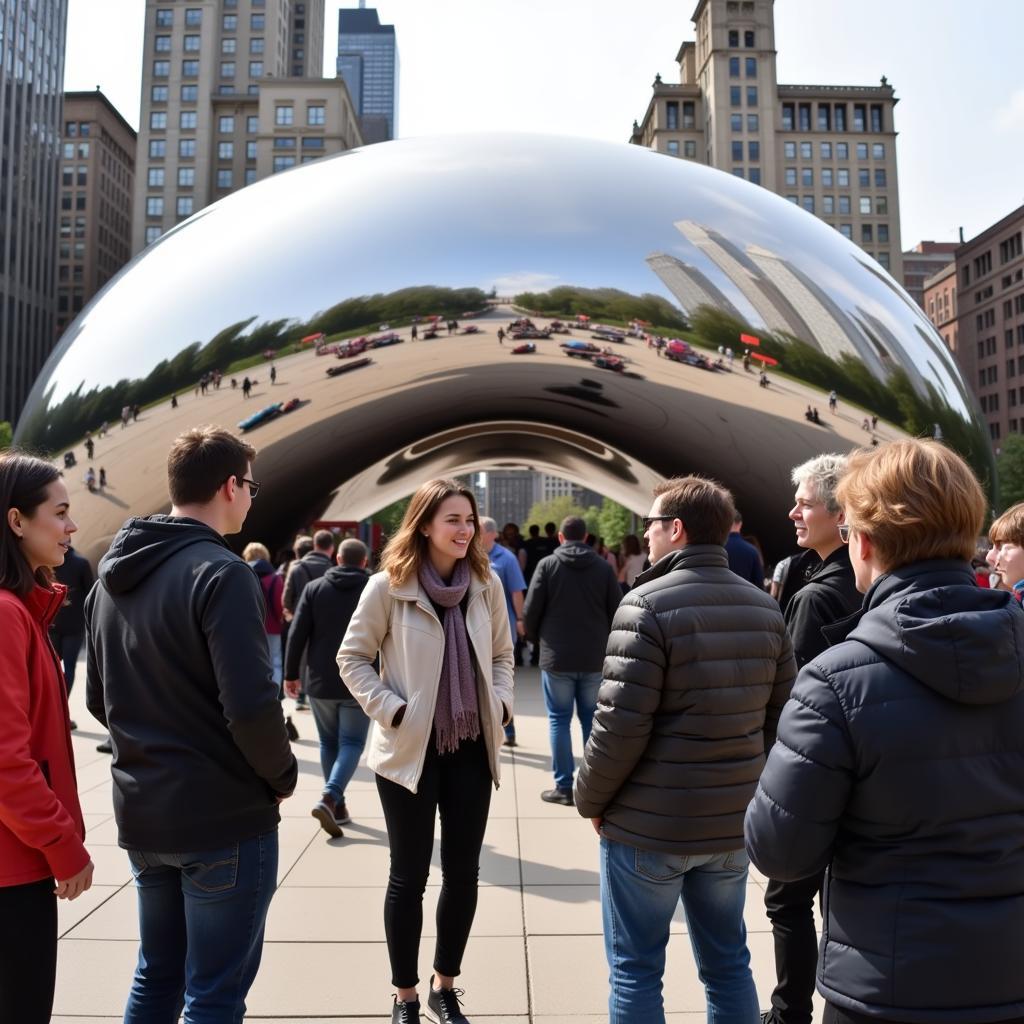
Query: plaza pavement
(536, 953)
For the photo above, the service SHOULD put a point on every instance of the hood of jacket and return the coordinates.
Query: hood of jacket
(261, 567)
(933, 621)
(143, 544)
(576, 554)
(346, 577)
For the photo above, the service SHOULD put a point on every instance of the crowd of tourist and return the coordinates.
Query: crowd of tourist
(856, 730)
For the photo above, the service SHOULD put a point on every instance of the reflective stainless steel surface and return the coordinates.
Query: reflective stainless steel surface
(433, 226)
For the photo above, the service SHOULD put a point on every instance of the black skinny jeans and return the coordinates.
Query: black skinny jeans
(790, 908)
(28, 952)
(459, 786)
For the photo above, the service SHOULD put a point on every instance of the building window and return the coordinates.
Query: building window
(186, 148)
(867, 233)
(157, 148)
(753, 122)
(787, 117)
(161, 68)
(750, 67)
(316, 114)
(843, 177)
(189, 93)
(876, 118)
(224, 178)
(154, 206)
(858, 117)
(227, 69)
(317, 142)
(754, 151)
(790, 175)
(842, 151)
(158, 120)
(284, 115)
(189, 119)
(225, 150)
(229, 45)
(186, 177)
(257, 22)
(864, 178)
(865, 205)
(807, 177)
(156, 177)
(250, 150)
(164, 18)
(734, 67)
(282, 163)
(839, 116)
(193, 17)
(190, 69)
(755, 175)
(256, 44)
(735, 96)
(748, 39)
(846, 230)
(807, 202)
(689, 114)
(751, 95)
(828, 204)
(69, 151)
(806, 151)
(252, 125)
(284, 143)
(255, 69)
(737, 172)
(673, 148)
(736, 122)
(152, 234)
(795, 200)
(826, 151)
(883, 259)
(230, 23)
(734, 37)
(878, 150)
(883, 233)
(162, 44)
(185, 205)
(826, 177)
(159, 94)
(191, 44)
(844, 204)
(824, 117)
(250, 175)
(879, 177)
(789, 150)
(804, 112)
(226, 124)
(690, 149)
(737, 151)
(862, 151)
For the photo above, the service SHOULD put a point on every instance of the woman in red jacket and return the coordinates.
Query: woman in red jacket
(42, 856)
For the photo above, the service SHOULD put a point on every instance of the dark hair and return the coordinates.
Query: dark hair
(573, 528)
(352, 553)
(24, 481)
(631, 545)
(534, 530)
(704, 507)
(201, 460)
(323, 540)
(550, 528)
(304, 547)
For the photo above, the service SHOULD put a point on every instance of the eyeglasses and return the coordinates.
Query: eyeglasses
(656, 519)
(844, 533)
(254, 488)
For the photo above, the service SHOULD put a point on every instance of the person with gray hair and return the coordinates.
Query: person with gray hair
(819, 590)
(321, 619)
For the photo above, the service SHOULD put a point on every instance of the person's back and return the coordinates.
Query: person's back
(744, 559)
(307, 568)
(897, 762)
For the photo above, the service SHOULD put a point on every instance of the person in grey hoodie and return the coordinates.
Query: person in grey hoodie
(569, 609)
(898, 766)
(179, 672)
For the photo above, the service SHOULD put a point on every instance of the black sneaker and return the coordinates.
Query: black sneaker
(289, 726)
(405, 1013)
(444, 1006)
(341, 815)
(558, 796)
(324, 813)
(73, 724)
(105, 747)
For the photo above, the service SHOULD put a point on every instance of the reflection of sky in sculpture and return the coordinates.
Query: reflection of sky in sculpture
(506, 210)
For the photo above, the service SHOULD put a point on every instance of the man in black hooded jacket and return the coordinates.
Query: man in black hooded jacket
(179, 672)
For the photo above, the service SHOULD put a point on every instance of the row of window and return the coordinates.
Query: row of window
(734, 38)
(736, 95)
(284, 115)
(832, 116)
(165, 17)
(841, 177)
(750, 67)
(82, 149)
(842, 150)
(844, 205)
(74, 176)
(190, 69)
(76, 128)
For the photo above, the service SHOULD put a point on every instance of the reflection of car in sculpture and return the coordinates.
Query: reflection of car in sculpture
(336, 371)
(383, 340)
(471, 329)
(610, 363)
(530, 332)
(525, 349)
(267, 413)
(557, 327)
(580, 349)
(355, 347)
(323, 349)
(682, 352)
(607, 334)
(429, 335)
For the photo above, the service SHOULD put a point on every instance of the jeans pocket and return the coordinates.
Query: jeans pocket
(737, 861)
(212, 870)
(659, 867)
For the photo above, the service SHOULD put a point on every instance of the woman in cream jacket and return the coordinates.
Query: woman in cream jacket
(436, 614)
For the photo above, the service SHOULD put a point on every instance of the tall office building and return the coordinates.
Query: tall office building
(32, 34)
(222, 105)
(830, 149)
(97, 177)
(368, 61)
(925, 260)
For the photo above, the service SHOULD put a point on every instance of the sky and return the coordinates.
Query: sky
(585, 68)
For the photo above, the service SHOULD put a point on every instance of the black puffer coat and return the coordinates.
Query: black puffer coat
(900, 766)
(697, 670)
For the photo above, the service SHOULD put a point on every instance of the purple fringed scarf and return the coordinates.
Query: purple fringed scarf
(456, 716)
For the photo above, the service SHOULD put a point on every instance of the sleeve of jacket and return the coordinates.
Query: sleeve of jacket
(808, 610)
(613, 595)
(536, 599)
(791, 823)
(288, 597)
(28, 806)
(634, 676)
(359, 648)
(298, 634)
(93, 683)
(232, 619)
(785, 673)
(502, 651)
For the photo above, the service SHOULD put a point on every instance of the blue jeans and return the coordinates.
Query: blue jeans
(561, 691)
(274, 643)
(201, 921)
(639, 893)
(342, 727)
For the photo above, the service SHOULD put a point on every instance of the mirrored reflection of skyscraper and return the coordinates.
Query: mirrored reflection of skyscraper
(32, 34)
(368, 61)
(691, 287)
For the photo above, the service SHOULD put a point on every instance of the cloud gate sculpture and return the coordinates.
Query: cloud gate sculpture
(328, 267)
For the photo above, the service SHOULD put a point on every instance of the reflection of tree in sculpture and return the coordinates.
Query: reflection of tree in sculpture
(70, 419)
(603, 304)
